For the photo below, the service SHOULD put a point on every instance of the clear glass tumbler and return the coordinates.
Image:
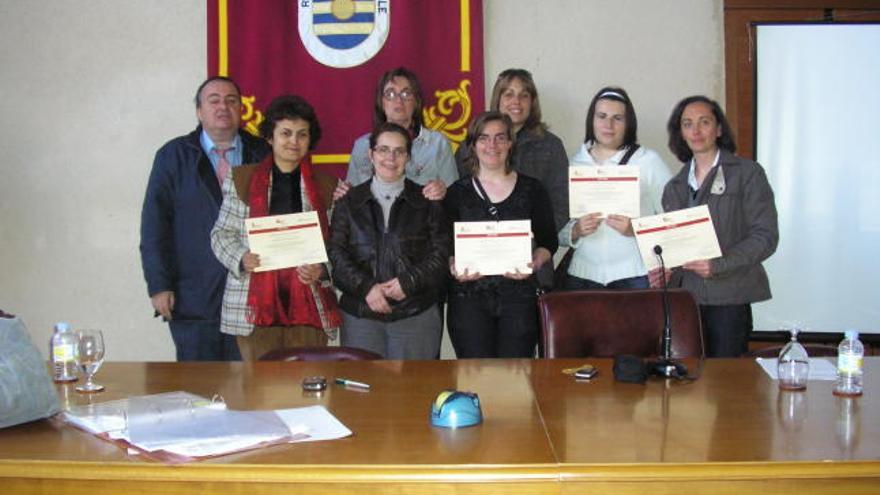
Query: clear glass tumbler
(794, 364)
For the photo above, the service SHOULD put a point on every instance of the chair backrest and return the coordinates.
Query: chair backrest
(329, 353)
(606, 323)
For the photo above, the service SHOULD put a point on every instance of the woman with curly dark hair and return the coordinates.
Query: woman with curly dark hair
(279, 308)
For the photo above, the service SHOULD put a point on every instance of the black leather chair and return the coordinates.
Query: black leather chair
(606, 323)
(329, 353)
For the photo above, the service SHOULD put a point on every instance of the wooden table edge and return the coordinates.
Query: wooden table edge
(721, 471)
(254, 473)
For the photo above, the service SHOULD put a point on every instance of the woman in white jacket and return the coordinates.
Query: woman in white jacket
(605, 251)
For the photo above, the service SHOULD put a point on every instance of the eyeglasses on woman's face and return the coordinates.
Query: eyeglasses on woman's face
(386, 151)
(405, 94)
(499, 139)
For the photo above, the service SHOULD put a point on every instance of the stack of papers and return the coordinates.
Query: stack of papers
(180, 427)
(112, 416)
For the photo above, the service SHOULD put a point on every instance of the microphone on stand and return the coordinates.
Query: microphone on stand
(666, 366)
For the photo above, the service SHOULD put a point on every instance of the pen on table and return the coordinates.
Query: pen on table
(351, 383)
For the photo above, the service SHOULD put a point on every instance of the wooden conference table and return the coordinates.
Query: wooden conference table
(731, 431)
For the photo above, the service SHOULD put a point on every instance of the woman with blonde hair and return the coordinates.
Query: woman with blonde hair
(536, 151)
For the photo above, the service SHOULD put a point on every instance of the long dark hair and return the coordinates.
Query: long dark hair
(614, 93)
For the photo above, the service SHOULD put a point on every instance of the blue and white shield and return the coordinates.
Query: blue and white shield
(343, 33)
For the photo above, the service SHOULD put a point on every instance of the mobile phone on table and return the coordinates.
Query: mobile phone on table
(314, 383)
(586, 372)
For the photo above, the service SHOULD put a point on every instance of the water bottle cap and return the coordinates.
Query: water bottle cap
(851, 334)
(62, 326)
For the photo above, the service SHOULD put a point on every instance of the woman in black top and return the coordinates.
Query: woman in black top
(496, 316)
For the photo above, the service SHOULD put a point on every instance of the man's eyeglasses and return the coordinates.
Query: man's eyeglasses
(385, 151)
(497, 139)
(404, 94)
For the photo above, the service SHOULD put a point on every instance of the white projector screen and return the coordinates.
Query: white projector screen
(818, 137)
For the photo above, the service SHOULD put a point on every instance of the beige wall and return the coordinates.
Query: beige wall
(92, 89)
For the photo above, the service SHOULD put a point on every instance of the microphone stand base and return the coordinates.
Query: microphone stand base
(667, 368)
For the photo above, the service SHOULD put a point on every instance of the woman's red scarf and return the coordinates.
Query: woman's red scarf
(314, 304)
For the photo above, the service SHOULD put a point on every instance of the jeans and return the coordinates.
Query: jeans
(726, 329)
(197, 340)
(503, 324)
(577, 283)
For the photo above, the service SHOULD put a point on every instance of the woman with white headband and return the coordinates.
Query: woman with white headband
(605, 252)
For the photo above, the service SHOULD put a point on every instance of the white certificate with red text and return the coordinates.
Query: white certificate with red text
(605, 189)
(493, 248)
(685, 235)
(285, 241)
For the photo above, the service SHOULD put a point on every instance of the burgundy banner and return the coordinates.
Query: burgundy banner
(333, 52)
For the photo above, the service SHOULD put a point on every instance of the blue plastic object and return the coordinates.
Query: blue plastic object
(454, 409)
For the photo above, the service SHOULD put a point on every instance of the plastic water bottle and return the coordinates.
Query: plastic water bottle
(849, 365)
(62, 350)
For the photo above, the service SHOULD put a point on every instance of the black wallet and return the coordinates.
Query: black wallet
(630, 369)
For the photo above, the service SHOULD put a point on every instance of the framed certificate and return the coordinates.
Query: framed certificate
(605, 189)
(685, 235)
(285, 241)
(493, 248)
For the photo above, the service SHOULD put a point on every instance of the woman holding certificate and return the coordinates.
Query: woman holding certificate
(496, 315)
(605, 252)
(287, 307)
(389, 247)
(743, 212)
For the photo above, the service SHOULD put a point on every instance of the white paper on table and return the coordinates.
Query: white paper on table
(820, 369)
(605, 189)
(493, 248)
(314, 421)
(286, 241)
(303, 424)
(188, 425)
(685, 235)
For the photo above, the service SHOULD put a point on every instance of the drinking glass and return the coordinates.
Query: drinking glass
(793, 365)
(90, 357)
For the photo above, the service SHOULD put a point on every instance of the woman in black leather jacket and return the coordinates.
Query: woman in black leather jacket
(389, 247)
